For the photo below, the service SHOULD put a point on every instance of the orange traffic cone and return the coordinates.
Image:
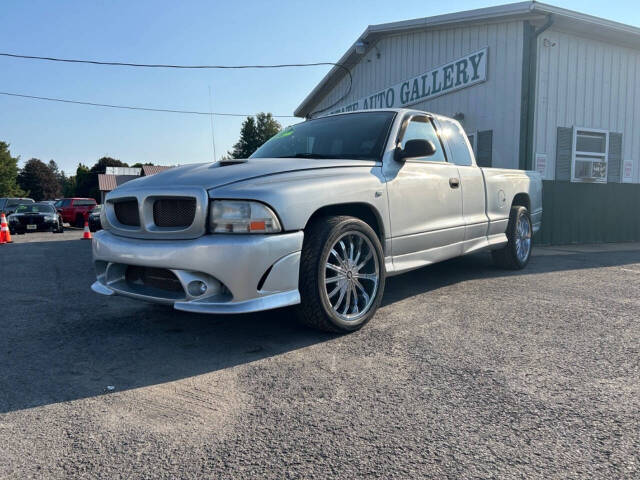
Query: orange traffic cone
(86, 235)
(5, 234)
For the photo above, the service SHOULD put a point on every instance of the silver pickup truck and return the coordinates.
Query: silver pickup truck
(317, 218)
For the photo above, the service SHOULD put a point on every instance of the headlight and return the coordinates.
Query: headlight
(234, 216)
(50, 218)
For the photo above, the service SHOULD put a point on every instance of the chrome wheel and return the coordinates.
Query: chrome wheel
(351, 276)
(523, 238)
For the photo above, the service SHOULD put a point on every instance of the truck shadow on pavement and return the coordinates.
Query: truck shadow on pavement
(480, 265)
(61, 342)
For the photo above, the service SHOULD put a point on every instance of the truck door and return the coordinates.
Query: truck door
(472, 182)
(425, 201)
(65, 207)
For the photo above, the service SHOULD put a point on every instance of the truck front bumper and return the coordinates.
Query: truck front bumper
(211, 274)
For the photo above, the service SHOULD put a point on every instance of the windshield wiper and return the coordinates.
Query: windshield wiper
(346, 156)
(306, 155)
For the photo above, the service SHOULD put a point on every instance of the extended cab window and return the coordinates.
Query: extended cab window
(83, 203)
(458, 142)
(421, 128)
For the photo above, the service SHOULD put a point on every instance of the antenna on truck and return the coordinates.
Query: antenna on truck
(213, 142)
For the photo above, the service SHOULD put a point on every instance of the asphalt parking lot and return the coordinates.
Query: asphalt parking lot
(466, 372)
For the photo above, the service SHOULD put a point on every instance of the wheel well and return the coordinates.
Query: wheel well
(522, 200)
(363, 211)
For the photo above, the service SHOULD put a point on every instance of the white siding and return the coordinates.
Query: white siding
(493, 105)
(586, 83)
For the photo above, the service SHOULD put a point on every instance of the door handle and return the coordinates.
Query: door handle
(454, 182)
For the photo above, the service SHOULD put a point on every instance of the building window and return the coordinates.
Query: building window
(472, 142)
(590, 157)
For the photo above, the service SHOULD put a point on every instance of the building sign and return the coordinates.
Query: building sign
(460, 73)
(627, 171)
(541, 164)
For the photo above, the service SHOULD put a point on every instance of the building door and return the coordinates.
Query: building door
(425, 201)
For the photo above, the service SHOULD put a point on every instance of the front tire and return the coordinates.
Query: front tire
(342, 274)
(516, 253)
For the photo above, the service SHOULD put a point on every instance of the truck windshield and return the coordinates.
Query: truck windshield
(35, 208)
(353, 136)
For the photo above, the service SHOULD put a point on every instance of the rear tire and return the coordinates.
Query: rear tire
(516, 253)
(342, 274)
(79, 221)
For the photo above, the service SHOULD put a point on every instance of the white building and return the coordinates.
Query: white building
(535, 87)
(113, 177)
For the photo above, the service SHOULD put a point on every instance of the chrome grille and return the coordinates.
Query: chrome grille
(169, 212)
(174, 212)
(127, 212)
(30, 219)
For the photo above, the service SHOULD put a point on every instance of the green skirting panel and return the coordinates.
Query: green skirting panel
(589, 213)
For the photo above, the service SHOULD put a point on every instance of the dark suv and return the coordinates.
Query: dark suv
(9, 205)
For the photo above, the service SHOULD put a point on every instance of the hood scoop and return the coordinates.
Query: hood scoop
(231, 161)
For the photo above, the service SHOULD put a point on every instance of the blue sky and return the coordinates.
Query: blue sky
(180, 32)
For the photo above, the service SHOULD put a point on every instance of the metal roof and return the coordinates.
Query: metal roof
(580, 23)
(107, 182)
(153, 169)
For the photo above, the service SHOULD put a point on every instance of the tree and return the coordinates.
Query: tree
(139, 164)
(69, 186)
(267, 127)
(38, 180)
(60, 176)
(254, 133)
(87, 181)
(82, 173)
(8, 173)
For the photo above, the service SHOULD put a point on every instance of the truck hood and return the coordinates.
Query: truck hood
(212, 175)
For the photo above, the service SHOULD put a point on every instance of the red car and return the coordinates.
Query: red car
(75, 210)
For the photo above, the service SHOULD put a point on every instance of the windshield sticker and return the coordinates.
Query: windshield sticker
(284, 133)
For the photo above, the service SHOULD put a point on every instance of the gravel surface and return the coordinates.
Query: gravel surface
(467, 371)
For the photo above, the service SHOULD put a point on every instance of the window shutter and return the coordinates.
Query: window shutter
(615, 157)
(564, 154)
(484, 148)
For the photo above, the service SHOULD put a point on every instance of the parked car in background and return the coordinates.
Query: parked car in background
(75, 210)
(317, 217)
(8, 205)
(35, 217)
(94, 219)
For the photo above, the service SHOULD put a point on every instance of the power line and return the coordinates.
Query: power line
(129, 107)
(199, 67)
(165, 65)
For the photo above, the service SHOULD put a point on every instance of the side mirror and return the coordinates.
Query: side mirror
(415, 148)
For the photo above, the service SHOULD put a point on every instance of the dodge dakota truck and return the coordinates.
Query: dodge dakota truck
(316, 218)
